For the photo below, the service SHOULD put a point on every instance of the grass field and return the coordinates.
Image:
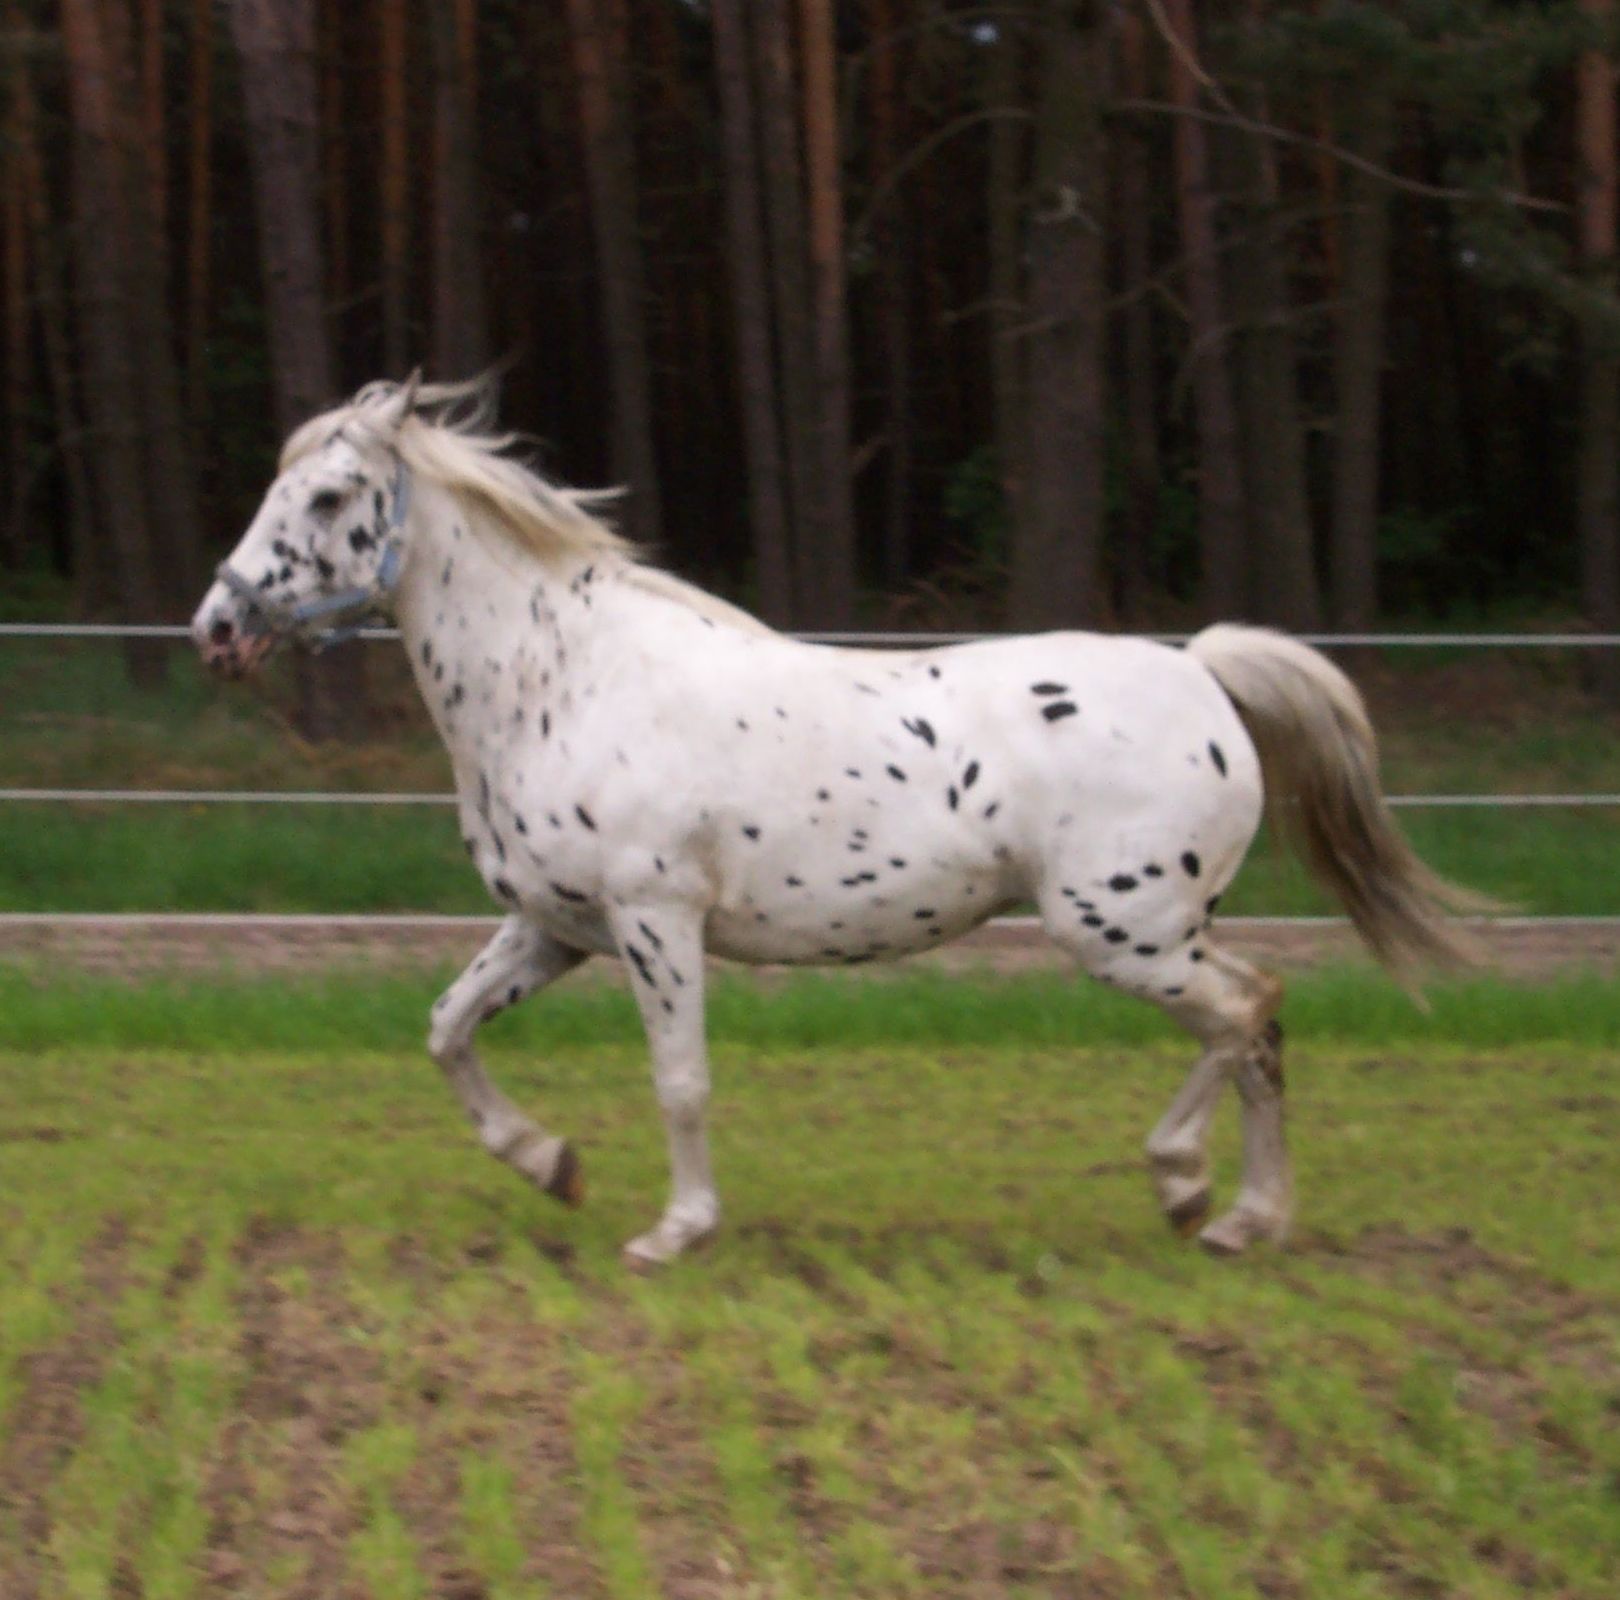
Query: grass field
(271, 1325)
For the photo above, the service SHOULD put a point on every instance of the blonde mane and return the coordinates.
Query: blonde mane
(448, 437)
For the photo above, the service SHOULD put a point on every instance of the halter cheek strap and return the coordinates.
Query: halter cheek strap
(265, 615)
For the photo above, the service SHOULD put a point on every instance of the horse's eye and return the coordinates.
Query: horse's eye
(325, 503)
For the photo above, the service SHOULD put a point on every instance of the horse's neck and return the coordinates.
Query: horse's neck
(491, 633)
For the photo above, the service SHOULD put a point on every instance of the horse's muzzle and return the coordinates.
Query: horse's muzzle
(227, 644)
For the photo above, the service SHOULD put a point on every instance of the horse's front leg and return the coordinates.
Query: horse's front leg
(663, 954)
(517, 961)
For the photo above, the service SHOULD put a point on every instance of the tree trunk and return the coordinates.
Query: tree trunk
(1056, 570)
(827, 299)
(1222, 515)
(174, 521)
(890, 240)
(153, 122)
(771, 33)
(601, 61)
(1598, 481)
(756, 366)
(200, 218)
(14, 270)
(1283, 588)
(1005, 181)
(1358, 370)
(91, 569)
(103, 241)
(396, 213)
(1138, 569)
(276, 42)
(460, 325)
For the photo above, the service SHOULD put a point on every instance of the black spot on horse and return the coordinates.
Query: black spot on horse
(360, 539)
(585, 817)
(750, 831)
(895, 773)
(1122, 883)
(650, 936)
(970, 776)
(991, 809)
(920, 728)
(1116, 936)
(1058, 710)
(639, 962)
(952, 797)
(925, 913)
(1048, 688)
(506, 891)
(1217, 757)
(898, 863)
(1153, 870)
(794, 883)
(823, 794)
(1147, 949)
(1092, 920)
(1190, 863)
(933, 672)
(572, 896)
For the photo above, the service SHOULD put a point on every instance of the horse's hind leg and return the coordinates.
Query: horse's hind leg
(1154, 946)
(517, 961)
(1230, 1006)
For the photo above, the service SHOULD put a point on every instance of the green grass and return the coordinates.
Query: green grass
(356, 1010)
(271, 1322)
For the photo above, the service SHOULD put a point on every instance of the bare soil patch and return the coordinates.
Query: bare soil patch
(199, 947)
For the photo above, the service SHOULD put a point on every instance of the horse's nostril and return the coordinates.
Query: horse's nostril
(221, 632)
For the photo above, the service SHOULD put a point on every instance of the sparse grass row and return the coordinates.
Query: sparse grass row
(943, 1347)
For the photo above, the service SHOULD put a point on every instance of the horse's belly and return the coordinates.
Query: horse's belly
(872, 912)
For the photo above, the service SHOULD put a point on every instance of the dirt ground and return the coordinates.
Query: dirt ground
(1524, 950)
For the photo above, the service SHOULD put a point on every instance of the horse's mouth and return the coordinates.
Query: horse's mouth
(239, 655)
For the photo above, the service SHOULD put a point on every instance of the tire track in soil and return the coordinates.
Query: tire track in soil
(46, 1423)
(274, 1497)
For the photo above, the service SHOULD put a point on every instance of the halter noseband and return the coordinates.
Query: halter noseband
(265, 615)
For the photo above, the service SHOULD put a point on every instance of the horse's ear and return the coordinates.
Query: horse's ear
(402, 402)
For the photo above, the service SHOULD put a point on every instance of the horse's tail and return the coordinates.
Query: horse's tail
(1319, 765)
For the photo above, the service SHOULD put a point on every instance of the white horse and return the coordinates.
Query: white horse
(645, 771)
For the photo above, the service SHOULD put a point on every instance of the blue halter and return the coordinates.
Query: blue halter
(357, 603)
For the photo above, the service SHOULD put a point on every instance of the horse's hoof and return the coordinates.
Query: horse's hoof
(642, 1265)
(1189, 1215)
(568, 1181)
(1232, 1234)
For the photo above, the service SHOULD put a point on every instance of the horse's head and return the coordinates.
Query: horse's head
(324, 551)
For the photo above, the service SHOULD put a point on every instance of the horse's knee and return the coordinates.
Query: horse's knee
(683, 1093)
(446, 1037)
